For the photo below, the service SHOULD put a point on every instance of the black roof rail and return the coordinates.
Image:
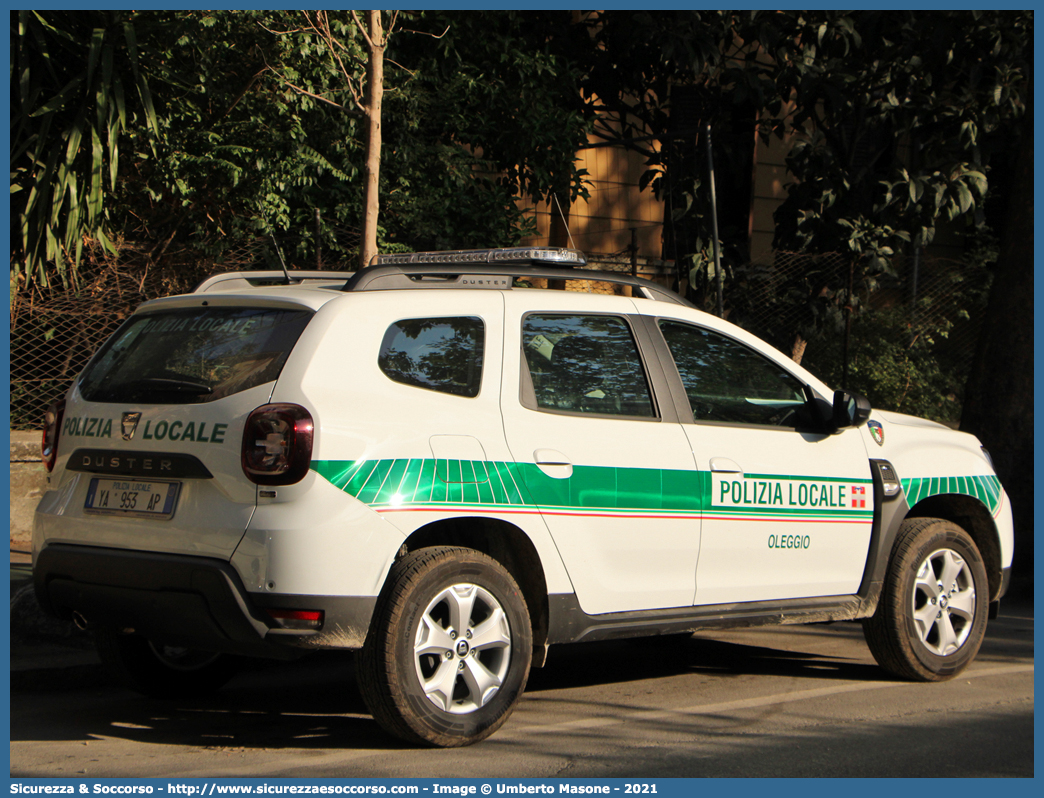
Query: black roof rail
(235, 281)
(478, 268)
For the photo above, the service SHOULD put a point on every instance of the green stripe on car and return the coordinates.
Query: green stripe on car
(507, 486)
(986, 488)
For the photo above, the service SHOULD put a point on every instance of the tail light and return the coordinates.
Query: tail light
(277, 444)
(52, 425)
(297, 619)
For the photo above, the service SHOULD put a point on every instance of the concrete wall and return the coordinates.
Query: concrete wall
(28, 482)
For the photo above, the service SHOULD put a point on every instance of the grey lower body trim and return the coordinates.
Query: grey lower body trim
(568, 623)
(196, 602)
(889, 513)
(1005, 582)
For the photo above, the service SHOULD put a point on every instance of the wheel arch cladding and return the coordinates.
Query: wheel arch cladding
(509, 546)
(974, 518)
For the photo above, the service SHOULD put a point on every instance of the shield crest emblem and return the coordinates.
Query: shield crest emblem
(876, 432)
(129, 424)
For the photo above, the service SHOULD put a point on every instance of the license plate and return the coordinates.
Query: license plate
(141, 497)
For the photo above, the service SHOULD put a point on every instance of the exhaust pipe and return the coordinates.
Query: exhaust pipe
(80, 622)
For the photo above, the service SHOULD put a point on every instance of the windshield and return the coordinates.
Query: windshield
(192, 355)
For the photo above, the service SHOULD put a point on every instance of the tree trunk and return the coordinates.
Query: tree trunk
(375, 94)
(797, 351)
(998, 403)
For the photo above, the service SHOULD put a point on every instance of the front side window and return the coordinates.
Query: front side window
(192, 355)
(585, 364)
(442, 355)
(727, 381)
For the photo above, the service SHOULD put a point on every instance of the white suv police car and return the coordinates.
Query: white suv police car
(450, 464)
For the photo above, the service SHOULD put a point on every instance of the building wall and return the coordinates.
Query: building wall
(603, 222)
(770, 179)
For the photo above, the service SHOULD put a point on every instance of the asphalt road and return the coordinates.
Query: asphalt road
(798, 701)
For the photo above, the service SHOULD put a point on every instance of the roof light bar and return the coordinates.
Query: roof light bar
(543, 255)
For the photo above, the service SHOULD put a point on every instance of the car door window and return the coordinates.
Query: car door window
(586, 364)
(727, 381)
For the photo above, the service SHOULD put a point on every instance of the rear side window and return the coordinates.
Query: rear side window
(192, 355)
(442, 355)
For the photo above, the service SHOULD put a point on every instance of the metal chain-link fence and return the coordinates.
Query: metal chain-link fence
(905, 337)
(918, 325)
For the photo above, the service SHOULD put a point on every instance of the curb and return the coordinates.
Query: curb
(25, 446)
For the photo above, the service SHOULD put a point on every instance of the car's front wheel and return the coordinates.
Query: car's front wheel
(931, 617)
(449, 649)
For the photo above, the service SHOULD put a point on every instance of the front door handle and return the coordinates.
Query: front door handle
(725, 465)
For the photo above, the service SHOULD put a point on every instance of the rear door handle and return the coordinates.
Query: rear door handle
(553, 463)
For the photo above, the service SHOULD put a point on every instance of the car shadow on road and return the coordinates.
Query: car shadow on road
(646, 658)
(313, 704)
(309, 704)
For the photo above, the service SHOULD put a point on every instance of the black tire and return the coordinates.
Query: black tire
(161, 671)
(924, 630)
(422, 685)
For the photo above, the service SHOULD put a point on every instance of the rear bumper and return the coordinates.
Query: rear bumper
(197, 602)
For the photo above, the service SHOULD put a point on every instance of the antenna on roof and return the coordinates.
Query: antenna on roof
(281, 261)
(564, 221)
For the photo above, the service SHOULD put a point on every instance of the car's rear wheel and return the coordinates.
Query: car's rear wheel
(931, 617)
(448, 653)
(162, 671)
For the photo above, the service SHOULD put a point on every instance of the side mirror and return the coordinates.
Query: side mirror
(850, 409)
(815, 416)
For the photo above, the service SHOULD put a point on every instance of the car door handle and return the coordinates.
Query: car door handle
(725, 465)
(553, 463)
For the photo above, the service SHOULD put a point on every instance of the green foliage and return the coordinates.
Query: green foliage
(906, 358)
(77, 84)
(638, 62)
(255, 133)
(895, 363)
(508, 64)
(446, 202)
(897, 128)
(482, 117)
(268, 131)
(214, 126)
(219, 126)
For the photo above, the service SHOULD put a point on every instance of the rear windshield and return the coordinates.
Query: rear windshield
(192, 355)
